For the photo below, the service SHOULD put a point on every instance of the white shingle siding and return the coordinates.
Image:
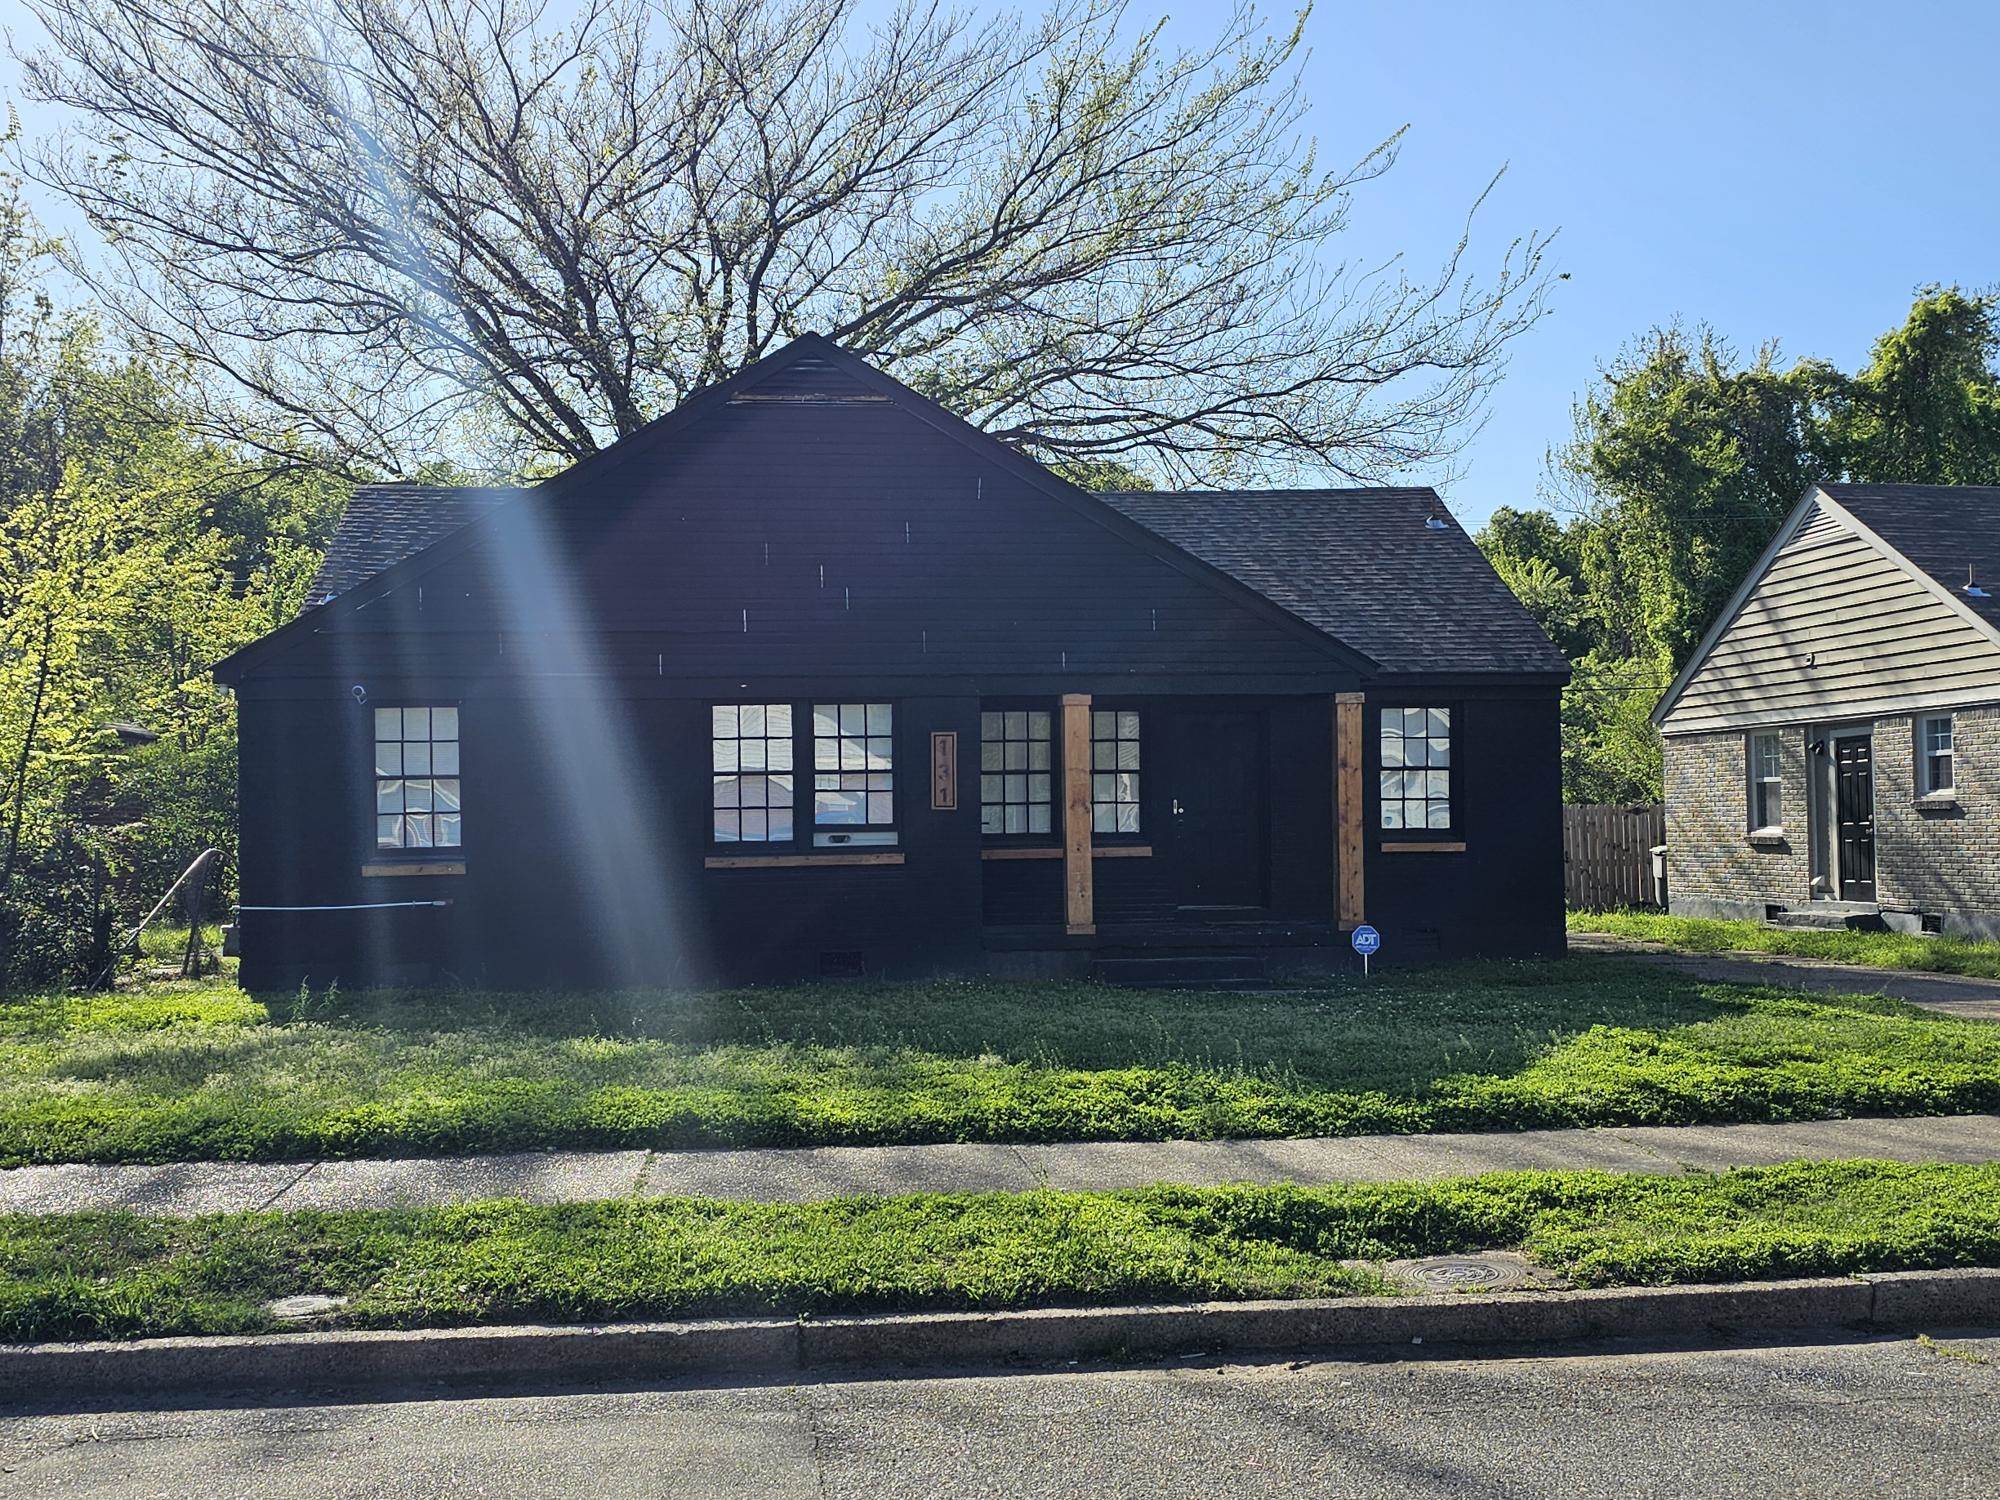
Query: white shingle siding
(1836, 629)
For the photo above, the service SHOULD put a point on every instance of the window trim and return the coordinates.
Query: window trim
(1948, 790)
(848, 837)
(739, 845)
(1454, 833)
(382, 855)
(1754, 781)
(1050, 837)
(1115, 837)
(805, 845)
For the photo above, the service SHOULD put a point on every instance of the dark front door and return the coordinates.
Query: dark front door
(1854, 816)
(1215, 807)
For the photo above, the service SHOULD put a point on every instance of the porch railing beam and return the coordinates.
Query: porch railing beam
(1079, 897)
(1347, 806)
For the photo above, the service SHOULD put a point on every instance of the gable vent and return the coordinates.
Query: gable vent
(808, 382)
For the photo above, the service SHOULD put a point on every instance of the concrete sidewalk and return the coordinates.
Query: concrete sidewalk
(802, 1175)
(1948, 994)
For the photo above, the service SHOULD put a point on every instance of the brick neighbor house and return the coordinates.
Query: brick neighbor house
(1833, 746)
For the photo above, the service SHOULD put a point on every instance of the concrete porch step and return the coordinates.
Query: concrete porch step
(1831, 916)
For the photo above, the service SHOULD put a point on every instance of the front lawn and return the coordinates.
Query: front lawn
(121, 1276)
(1876, 950)
(191, 1072)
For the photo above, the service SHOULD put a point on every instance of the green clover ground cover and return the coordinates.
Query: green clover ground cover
(193, 1072)
(1877, 950)
(116, 1275)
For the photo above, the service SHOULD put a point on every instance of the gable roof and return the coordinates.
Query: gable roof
(1364, 566)
(1940, 529)
(1934, 532)
(401, 531)
(385, 523)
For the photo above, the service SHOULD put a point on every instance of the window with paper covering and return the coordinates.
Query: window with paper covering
(417, 797)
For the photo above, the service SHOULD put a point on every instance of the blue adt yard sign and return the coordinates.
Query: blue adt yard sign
(1366, 940)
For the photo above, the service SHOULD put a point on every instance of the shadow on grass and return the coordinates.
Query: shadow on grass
(1473, 1047)
(1397, 1032)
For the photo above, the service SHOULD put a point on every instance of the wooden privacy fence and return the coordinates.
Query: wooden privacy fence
(1608, 855)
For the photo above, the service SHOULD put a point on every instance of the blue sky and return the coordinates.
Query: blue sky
(1789, 171)
(1782, 170)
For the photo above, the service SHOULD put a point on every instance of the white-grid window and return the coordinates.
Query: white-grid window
(751, 753)
(416, 779)
(1934, 755)
(1416, 768)
(1114, 770)
(1767, 794)
(1016, 777)
(854, 767)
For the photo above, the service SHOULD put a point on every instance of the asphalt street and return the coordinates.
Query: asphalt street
(1880, 1419)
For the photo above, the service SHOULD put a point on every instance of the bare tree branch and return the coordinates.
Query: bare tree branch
(400, 227)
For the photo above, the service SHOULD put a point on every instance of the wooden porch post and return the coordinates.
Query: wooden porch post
(1347, 806)
(1079, 910)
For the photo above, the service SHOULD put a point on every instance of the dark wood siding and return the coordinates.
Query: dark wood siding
(851, 538)
(306, 830)
(1503, 893)
(542, 903)
(806, 544)
(1297, 833)
(552, 896)
(1303, 871)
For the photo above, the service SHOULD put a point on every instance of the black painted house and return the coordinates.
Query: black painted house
(811, 677)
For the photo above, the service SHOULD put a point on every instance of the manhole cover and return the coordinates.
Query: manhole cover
(1465, 1273)
(1459, 1275)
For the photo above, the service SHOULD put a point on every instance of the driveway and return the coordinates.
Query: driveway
(1947, 994)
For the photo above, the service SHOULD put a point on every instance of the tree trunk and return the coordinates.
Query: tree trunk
(21, 795)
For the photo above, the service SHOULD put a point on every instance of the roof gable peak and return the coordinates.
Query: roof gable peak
(812, 369)
(1828, 498)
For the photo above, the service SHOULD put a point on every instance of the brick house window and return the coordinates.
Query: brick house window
(1935, 775)
(1767, 798)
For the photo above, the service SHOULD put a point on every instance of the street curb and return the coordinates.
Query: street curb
(1902, 1301)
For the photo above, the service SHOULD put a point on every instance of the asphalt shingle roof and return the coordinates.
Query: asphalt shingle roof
(385, 523)
(1361, 565)
(1943, 529)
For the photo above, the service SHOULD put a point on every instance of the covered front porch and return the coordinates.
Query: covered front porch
(1177, 826)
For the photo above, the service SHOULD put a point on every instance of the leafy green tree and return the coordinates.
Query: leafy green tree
(1683, 463)
(1610, 751)
(1688, 462)
(1537, 559)
(133, 555)
(1926, 410)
